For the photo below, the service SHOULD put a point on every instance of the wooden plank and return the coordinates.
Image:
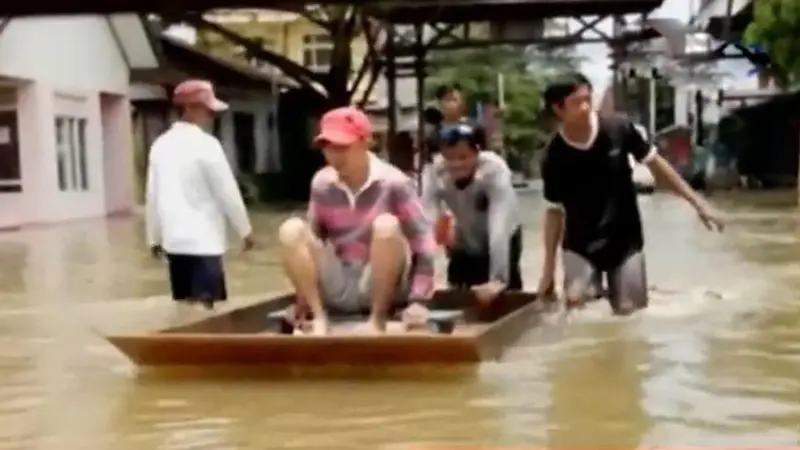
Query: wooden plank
(247, 350)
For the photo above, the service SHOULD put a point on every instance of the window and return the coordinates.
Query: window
(10, 174)
(317, 52)
(71, 158)
(243, 135)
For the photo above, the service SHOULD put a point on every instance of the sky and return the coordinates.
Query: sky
(596, 65)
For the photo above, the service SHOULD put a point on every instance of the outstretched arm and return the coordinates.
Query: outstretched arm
(636, 144)
(502, 213)
(152, 219)
(226, 190)
(418, 231)
(553, 229)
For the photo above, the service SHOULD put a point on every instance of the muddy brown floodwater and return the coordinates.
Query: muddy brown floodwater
(713, 362)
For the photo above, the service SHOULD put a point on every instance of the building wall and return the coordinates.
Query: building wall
(60, 67)
(282, 33)
(76, 53)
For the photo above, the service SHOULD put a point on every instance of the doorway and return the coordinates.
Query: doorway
(244, 138)
(10, 173)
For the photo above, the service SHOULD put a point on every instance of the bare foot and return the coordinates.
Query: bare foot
(372, 327)
(319, 326)
(183, 313)
(575, 304)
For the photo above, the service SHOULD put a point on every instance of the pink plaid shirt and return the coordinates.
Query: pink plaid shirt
(344, 218)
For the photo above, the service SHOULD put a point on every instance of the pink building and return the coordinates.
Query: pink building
(65, 139)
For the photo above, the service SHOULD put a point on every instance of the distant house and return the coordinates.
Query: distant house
(248, 131)
(285, 33)
(305, 43)
(65, 116)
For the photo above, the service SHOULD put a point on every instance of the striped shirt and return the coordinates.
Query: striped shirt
(344, 218)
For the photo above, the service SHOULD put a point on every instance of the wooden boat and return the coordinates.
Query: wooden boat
(461, 332)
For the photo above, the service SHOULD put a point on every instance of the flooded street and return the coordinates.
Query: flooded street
(713, 362)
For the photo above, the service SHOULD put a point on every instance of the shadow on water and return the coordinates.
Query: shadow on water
(711, 362)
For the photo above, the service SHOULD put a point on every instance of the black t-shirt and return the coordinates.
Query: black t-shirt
(595, 187)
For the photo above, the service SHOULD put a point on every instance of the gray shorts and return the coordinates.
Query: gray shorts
(347, 287)
(627, 283)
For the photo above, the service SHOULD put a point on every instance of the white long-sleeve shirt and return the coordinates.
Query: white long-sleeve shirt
(192, 195)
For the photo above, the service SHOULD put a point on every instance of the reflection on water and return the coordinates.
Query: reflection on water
(603, 367)
(712, 362)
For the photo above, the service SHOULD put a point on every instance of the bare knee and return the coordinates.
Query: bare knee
(293, 232)
(385, 226)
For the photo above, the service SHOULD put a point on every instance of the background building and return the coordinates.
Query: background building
(65, 141)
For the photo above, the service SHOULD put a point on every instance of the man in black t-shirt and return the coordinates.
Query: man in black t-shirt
(592, 201)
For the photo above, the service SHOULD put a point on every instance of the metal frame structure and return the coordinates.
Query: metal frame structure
(727, 29)
(451, 31)
(443, 16)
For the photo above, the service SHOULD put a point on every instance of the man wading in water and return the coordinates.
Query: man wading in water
(589, 189)
(484, 240)
(192, 199)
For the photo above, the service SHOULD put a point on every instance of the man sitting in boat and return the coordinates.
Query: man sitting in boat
(365, 227)
(484, 238)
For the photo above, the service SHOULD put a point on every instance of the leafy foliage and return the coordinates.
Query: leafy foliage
(776, 26)
(525, 71)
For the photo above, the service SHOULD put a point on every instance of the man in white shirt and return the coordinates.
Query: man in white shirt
(192, 199)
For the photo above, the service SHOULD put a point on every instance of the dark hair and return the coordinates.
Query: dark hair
(558, 91)
(432, 116)
(447, 89)
(453, 134)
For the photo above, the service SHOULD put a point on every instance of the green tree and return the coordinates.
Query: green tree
(525, 71)
(776, 26)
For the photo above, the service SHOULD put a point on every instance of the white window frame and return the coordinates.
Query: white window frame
(312, 45)
(72, 159)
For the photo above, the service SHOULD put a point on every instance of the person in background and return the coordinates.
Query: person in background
(192, 199)
(452, 110)
(366, 245)
(484, 239)
(591, 199)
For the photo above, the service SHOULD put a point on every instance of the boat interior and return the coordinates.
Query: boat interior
(452, 312)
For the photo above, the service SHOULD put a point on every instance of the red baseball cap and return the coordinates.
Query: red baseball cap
(198, 92)
(344, 126)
